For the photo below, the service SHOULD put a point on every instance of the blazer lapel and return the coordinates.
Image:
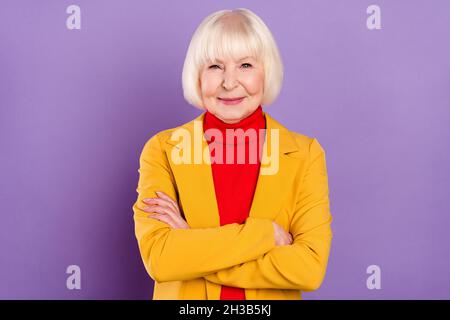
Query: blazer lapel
(194, 181)
(273, 187)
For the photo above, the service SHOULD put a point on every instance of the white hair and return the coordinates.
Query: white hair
(232, 33)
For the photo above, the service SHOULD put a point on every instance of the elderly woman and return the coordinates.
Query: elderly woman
(233, 205)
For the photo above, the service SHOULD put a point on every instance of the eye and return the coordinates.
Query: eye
(247, 64)
(213, 66)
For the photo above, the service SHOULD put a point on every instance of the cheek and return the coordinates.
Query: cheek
(209, 83)
(254, 83)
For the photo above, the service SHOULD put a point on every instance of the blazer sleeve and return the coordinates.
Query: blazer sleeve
(302, 264)
(183, 254)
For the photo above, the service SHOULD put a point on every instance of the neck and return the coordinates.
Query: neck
(244, 122)
(254, 121)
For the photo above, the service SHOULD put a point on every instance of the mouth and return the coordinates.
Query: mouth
(231, 101)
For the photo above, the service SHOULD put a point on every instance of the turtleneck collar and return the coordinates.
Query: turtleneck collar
(255, 120)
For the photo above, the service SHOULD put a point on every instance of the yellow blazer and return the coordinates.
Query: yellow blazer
(194, 263)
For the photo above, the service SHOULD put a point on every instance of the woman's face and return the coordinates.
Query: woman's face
(232, 89)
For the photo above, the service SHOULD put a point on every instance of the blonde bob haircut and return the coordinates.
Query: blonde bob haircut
(234, 34)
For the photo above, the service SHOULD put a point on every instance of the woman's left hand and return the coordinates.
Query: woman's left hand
(166, 210)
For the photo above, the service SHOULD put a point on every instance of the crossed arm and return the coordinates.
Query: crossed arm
(244, 255)
(183, 254)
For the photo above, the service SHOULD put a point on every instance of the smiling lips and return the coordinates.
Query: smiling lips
(231, 101)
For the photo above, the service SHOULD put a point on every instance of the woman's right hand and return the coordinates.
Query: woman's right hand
(282, 237)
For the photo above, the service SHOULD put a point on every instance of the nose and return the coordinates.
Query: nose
(230, 80)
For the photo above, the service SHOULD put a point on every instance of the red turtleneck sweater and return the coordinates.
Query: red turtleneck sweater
(235, 182)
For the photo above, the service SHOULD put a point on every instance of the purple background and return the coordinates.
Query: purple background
(77, 106)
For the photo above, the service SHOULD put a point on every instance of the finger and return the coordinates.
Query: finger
(163, 210)
(178, 221)
(167, 219)
(167, 198)
(156, 201)
(162, 202)
(158, 209)
(181, 223)
(146, 208)
(287, 237)
(164, 196)
(149, 208)
(163, 218)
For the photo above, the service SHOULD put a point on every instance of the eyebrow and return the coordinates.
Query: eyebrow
(218, 60)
